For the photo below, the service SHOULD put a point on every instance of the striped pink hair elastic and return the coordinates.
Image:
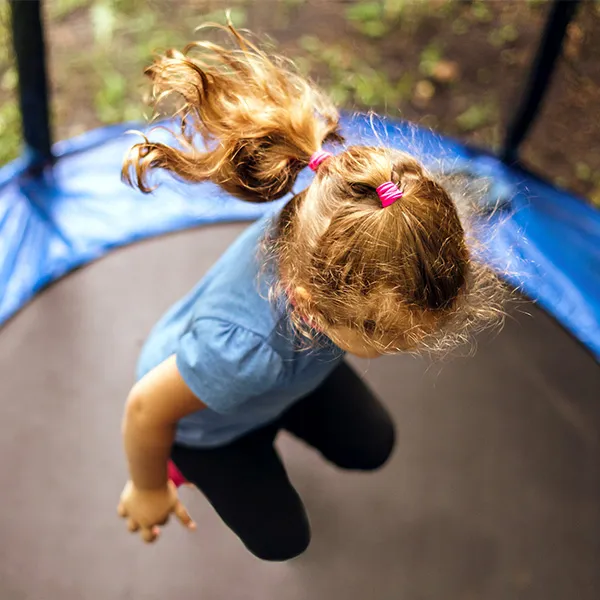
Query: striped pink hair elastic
(317, 158)
(388, 193)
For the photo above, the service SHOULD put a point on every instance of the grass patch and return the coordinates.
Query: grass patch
(477, 116)
(376, 18)
(10, 126)
(352, 80)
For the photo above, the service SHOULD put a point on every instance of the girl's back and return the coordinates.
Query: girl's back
(234, 349)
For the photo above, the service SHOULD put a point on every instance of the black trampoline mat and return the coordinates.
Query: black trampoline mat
(493, 492)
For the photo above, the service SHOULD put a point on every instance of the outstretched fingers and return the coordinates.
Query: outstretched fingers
(182, 514)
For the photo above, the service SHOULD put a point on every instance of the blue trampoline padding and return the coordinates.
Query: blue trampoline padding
(550, 240)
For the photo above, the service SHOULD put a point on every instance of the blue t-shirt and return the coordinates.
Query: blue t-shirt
(235, 350)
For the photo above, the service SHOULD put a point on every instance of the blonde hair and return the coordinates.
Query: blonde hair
(403, 277)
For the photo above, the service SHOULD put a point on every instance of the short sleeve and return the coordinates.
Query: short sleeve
(225, 364)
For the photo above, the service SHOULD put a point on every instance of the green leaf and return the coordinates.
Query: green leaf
(430, 56)
(10, 126)
(509, 33)
(374, 29)
(339, 93)
(481, 11)
(310, 43)
(460, 26)
(583, 171)
(363, 12)
(393, 9)
(334, 57)
(476, 116)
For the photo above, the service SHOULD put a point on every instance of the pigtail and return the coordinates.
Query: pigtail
(247, 121)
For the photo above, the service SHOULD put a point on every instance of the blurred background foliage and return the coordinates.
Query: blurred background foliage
(456, 66)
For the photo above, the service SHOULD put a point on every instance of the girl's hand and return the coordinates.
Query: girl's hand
(145, 510)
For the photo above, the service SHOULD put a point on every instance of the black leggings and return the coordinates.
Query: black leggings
(247, 484)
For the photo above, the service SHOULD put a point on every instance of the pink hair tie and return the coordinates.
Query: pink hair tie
(388, 193)
(317, 158)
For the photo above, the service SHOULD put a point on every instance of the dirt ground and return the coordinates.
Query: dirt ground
(455, 66)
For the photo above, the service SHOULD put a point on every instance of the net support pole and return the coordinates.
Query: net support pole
(30, 53)
(540, 74)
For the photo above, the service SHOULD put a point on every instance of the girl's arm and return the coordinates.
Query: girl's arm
(154, 406)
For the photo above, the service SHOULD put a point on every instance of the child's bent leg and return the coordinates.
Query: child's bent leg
(345, 422)
(247, 485)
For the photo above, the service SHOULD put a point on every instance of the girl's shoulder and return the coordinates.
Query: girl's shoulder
(224, 363)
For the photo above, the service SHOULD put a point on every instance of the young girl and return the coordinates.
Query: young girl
(371, 258)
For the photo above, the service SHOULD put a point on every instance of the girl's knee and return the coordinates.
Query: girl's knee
(371, 456)
(282, 546)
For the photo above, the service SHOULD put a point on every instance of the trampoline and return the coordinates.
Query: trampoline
(494, 490)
